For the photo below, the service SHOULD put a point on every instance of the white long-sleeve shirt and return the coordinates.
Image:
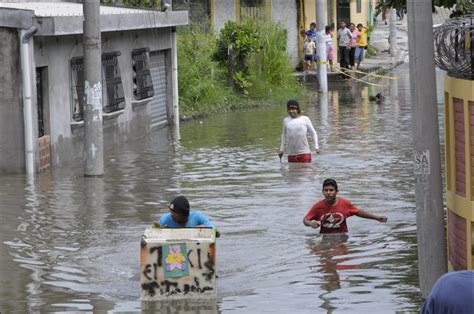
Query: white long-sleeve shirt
(295, 135)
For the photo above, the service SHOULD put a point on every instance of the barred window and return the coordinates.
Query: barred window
(359, 6)
(142, 82)
(252, 10)
(113, 95)
(252, 3)
(77, 92)
(113, 98)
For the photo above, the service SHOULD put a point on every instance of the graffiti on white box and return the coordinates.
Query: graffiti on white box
(177, 268)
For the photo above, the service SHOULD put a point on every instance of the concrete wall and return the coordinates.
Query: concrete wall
(12, 149)
(224, 10)
(199, 10)
(56, 53)
(286, 13)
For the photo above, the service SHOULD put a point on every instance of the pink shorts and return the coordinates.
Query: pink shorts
(329, 53)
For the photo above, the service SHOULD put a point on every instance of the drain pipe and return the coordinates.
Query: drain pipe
(27, 101)
(174, 67)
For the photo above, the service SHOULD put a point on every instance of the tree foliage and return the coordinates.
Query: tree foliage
(148, 4)
(460, 6)
(234, 46)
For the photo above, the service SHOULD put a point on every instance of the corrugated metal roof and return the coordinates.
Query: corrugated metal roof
(52, 9)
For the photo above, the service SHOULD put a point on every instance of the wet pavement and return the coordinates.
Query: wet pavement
(69, 243)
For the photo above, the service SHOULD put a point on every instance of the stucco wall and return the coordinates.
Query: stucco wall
(285, 12)
(199, 11)
(224, 10)
(363, 16)
(56, 53)
(12, 152)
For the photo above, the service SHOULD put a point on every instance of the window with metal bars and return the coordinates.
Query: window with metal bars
(113, 98)
(113, 95)
(252, 10)
(142, 82)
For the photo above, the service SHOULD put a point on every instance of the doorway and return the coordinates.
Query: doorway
(343, 11)
(42, 105)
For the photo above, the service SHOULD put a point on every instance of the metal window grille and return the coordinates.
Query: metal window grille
(142, 82)
(113, 96)
(359, 6)
(252, 10)
(77, 92)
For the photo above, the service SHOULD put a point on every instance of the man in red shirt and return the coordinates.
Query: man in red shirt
(332, 212)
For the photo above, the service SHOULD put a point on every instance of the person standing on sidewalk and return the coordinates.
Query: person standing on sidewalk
(295, 135)
(309, 50)
(329, 49)
(355, 36)
(361, 44)
(344, 41)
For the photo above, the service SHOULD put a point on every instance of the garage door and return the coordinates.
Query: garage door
(159, 114)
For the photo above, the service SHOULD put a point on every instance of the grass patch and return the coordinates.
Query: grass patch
(203, 88)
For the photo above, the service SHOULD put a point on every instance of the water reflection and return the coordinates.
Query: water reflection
(330, 250)
(181, 306)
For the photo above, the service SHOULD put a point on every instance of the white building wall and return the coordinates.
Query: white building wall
(224, 10)
(285, 12)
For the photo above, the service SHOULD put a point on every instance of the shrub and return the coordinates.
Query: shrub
(201, 83)
(272, 75)
(265, 76)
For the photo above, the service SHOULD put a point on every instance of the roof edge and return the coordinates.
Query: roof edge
(67, 25)
(16, 18)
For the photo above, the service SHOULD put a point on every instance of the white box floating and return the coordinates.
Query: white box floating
(178, 263)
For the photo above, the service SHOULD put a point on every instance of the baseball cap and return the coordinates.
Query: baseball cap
(180, 205)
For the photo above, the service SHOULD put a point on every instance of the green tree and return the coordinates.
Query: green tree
(234, 46)
(134, 3)
(461, 7)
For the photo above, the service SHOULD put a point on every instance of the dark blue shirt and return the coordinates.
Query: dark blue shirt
(453, 293)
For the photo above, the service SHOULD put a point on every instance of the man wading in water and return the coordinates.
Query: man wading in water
(295, 135)
(332, 212)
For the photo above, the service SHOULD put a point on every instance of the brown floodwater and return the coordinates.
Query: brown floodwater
(69, 243)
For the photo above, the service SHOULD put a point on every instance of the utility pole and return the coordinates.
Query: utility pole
(393, 32)
(93, 134)
(432, 262)
(174, 59)
(321, 46)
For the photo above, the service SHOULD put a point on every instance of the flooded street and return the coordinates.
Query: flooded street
(68, 243)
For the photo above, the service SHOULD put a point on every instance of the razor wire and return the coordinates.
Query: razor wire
(454, 46)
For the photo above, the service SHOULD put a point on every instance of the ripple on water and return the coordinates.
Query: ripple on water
(77, 239)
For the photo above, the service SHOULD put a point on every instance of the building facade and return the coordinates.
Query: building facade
(137, 79)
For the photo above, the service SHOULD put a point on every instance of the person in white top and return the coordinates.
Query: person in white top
(344, 37)
(309, 50)
(295, 135)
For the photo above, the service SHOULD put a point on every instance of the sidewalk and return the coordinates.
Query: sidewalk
(380, 39)
(383, 61)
